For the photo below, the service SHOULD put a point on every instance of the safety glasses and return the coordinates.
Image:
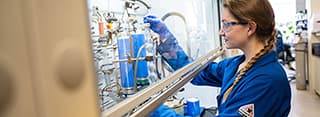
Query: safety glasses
(226, 26)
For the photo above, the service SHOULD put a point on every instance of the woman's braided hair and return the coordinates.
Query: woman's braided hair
(260, 12)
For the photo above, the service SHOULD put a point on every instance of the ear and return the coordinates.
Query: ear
(252, 28)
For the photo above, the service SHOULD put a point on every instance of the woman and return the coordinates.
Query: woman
(253, 84)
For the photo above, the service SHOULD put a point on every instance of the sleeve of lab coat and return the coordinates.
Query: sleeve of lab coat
(262, 94)
(211, 75)
(173, 53)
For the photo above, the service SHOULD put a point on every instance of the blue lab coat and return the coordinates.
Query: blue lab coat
(265, 85)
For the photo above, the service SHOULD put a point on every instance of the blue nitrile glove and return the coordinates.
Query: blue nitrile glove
(157, 26)
(169, 47)
(163, 111)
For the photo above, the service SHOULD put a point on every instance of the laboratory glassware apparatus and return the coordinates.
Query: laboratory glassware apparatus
(124, 51)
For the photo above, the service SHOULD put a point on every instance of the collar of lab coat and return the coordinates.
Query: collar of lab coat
(265, 59)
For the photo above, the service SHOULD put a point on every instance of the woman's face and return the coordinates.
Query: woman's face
(234, 33)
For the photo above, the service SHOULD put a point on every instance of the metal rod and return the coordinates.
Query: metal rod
(132, 59)
(132, 63)
(135, 69)
(130, 103)
(119, 12)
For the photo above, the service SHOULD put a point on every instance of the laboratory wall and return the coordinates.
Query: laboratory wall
(313, 15)
(300, 5)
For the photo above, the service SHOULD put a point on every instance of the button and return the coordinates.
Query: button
(70, 68)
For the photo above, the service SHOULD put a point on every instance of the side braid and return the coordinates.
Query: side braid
(266, 49)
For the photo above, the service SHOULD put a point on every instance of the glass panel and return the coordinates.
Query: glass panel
(129, 56)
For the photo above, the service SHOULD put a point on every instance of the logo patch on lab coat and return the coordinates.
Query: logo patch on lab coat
(246, 110)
